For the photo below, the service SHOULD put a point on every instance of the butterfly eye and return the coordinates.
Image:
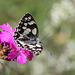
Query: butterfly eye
(40, 42)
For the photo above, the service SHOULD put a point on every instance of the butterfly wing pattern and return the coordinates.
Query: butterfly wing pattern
(26, 35)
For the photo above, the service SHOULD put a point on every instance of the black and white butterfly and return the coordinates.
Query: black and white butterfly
(26, 35)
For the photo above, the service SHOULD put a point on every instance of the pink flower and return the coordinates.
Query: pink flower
(7, 36)
(21, 54)
(21, 57)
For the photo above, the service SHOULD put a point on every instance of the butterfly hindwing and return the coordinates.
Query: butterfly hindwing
(26, 34)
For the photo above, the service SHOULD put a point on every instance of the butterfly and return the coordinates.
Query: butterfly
(26, 35)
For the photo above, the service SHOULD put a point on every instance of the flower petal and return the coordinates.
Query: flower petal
(12, 55)
(30, 56)
(14, 29)
(6, 37)
(6, 27)
(21, 58)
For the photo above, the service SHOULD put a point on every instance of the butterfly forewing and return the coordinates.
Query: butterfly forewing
(28, 23)
(26, 34)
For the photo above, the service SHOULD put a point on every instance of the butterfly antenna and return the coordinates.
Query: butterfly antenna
(45, 45)
(45, 36)
(47, 49)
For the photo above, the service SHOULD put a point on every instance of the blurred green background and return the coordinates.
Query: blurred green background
(56, 17)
